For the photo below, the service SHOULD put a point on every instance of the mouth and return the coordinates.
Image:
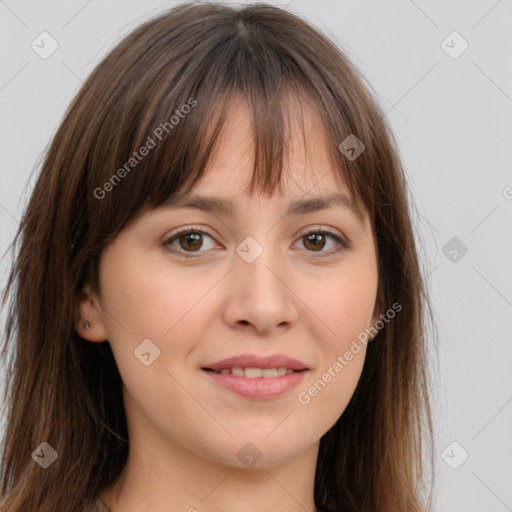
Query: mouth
(255, 373)
(257, 377)
(253, 363)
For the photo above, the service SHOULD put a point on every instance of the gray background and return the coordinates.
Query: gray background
(452, 119)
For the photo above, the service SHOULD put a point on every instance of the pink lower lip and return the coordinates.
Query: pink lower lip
(260, 387)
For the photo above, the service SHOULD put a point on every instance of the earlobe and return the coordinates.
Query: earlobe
(89, 316)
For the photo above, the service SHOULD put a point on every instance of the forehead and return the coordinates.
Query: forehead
(309, 182)
(308, 164)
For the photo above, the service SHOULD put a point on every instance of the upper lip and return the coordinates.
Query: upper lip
(254, 361)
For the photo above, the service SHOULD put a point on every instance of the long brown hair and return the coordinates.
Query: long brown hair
(65, 391)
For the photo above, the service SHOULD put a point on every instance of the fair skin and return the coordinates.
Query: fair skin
(306, 303)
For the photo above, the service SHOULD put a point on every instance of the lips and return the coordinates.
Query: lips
(257, 377)
(252, 361)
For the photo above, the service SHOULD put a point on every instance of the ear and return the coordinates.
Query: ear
(88, 309)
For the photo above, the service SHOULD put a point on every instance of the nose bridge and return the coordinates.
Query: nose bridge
(258, 292)
(257, 264)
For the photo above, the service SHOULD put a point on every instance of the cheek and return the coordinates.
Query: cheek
(144, 299)
(143, 294)
(342, 352)
(354, 306)
(342, 306)
(329, 391)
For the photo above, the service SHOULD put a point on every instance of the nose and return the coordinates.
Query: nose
(260, 295)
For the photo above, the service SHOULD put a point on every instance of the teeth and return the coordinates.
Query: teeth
(254, 373)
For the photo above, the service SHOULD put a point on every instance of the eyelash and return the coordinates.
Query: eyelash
(342, 244)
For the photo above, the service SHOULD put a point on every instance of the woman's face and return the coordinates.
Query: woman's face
(245, 283)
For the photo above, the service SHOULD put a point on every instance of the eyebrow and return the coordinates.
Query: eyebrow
(226, 207)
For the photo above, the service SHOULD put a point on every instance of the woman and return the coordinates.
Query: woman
(216, 301)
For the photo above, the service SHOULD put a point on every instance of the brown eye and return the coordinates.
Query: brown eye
(190, 241)
(314, 241)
